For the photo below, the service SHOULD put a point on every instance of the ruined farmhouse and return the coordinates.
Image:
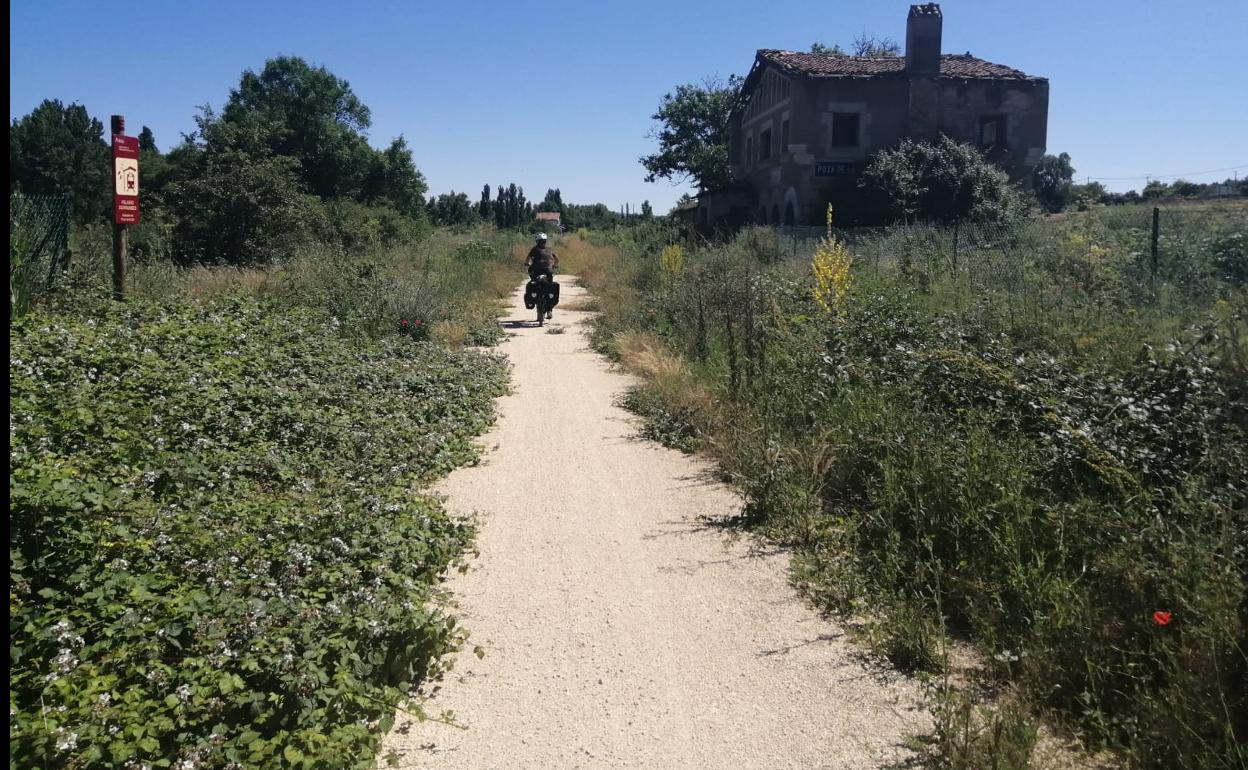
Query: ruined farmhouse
(807, 122)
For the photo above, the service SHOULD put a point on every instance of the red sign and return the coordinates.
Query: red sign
(126, 180)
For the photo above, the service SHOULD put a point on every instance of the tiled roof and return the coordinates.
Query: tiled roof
(548, 215)
(831, 66)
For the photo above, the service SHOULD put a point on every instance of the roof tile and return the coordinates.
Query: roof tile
(833, 66)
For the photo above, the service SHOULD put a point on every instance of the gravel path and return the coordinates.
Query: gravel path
(621, 626)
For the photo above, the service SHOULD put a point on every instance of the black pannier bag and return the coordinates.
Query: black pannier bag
(530, 295)
(552, 289)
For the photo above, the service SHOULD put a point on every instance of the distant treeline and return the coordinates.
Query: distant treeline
(286, 162)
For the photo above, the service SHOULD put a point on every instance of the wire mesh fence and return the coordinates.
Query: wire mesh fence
(38, 246)
(1089, 264)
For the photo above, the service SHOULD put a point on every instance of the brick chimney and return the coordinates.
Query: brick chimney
(923, 27)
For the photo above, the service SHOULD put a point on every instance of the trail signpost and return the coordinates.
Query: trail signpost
(125, 198)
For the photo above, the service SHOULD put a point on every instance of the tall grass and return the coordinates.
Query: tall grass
(1040, 447)
(451, 281)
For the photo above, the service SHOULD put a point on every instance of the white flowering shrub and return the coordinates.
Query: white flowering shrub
(219, 555)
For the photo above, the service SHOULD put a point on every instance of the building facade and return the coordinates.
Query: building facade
(806, 123)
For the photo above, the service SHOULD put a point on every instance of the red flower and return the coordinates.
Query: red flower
(418, 322)
(1161, 618)
(403, 322)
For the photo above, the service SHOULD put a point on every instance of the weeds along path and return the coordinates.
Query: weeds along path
(622, 625)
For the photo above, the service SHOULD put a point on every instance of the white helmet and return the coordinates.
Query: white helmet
(541, 236)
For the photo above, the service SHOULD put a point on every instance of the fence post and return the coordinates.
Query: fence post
(119, 231)
(1156, 233)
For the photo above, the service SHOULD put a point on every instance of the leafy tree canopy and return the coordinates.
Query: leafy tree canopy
(692, 132)
(864, 45)
(943, 181)
(59, 149)
(1051, 181)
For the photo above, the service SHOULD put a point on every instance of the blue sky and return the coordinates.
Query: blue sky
(556, 94)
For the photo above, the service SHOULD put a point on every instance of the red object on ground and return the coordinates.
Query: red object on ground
(1161, 618)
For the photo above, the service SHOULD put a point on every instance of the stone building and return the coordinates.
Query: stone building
(807, 122)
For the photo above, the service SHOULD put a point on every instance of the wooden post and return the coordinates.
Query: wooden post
(119, 233)
(119, 262)
(1156, 234)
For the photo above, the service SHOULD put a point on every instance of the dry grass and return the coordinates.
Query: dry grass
(665, 371)
(500, 281)
(587, 304)
(449, 333)
(592, 263)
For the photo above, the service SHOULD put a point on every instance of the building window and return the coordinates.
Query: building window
(992, 132)
(784, 136)
(764, 145)
(749, 149)
(845, 129)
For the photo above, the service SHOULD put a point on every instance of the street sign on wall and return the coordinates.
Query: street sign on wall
(825, 168)
(125, 180)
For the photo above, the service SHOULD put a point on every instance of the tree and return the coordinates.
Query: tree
(294, 109)
(240, 208)
(147, 140)
(1050, 180)
(646, 211)
(942, 182)
(1155, 189)
(453, 209)
(1083, 195)
(1182, 188)
(820, 48)
(552, 202)
(693, 134)
(483, 208)
(59, 149)
(394, 180)
(864, 45)
(876, 47)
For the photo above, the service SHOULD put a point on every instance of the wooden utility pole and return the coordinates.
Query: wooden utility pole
(119, 230)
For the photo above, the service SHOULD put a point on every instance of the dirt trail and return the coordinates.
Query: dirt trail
(622, 627)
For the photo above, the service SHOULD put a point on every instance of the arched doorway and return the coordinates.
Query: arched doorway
(790, 206)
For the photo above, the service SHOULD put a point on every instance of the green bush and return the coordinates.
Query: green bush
(1014, 436)
(218, 556)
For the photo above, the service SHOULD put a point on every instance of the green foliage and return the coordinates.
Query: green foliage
(1026, 441)
(876, 47)
(59, 149)
(552, 202)
(217, 557)
(306, 113)
(941, 182)
(511, 209)
(286, 160)
(970, 737)
(38, 232)
(452, 210)
(864, 45)
(147, 141)
(693, 134)
(1050, 179)
(673, 428)
(1155, 189)
(241, 208)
